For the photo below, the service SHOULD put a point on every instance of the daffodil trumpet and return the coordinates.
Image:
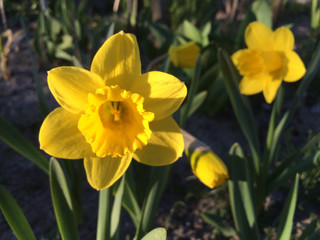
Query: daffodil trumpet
(113, 113)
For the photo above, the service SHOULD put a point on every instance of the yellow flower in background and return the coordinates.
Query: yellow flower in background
(113, 113)
(205, 164)
(184, 55)
(268, 60)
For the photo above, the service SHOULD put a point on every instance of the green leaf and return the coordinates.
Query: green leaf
(191, 93)
(156, 234)
(62, 202)
(110, 30)
(287, 214)
(240, 106)
(116, 209)
(130, 202)
(216, 221)
(157, 184)
(197, 101)
(188, 30)
(63, 55)
(276, 180)
(262, 11)
(20, 144)
(14, 215)
(67, 42)
(240, 191)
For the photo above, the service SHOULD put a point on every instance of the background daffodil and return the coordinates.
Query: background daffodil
(268, 60)
(184, 55)
(113, 113)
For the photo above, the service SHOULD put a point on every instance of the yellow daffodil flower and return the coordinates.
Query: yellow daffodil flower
(205, 164)
(113, 113)
(184, 55)
(268, 60)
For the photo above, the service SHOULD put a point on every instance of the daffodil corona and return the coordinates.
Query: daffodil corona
(113, 113)
(268, 60)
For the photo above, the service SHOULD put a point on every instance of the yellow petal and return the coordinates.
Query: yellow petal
(283, 39)
(271, 88)
(184, 55)
(60, 137)
(162, 92)
(70, 86)
(295, 67)
(117, 62)
(165, 145)
(252, 85)
(103, 172)
(208, 167)
(258, 36)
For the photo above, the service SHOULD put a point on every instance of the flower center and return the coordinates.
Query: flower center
(250, 63)
(272, 61)
(115, 122)
(253, 62)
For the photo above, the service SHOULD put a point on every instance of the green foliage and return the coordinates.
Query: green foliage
(62, 202)
(14, 216)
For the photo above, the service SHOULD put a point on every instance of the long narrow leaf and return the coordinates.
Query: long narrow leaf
(14, 215)
(240, 191)
(240, 106)
(20, 144)
(157, 185)
(291, 170)
(287, 214)
(62, 202)
(116, 209)
(129, 201)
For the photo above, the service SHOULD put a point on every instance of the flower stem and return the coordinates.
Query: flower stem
(104, 214)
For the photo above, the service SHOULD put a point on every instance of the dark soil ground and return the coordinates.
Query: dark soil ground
(30, 186)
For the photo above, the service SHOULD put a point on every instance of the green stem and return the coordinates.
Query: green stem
(104, 214)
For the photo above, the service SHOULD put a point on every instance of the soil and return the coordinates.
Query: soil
(30, 186)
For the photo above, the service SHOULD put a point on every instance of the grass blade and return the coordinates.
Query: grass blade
(14, 215)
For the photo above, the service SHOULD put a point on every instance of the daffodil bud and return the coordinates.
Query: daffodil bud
(205, 164)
